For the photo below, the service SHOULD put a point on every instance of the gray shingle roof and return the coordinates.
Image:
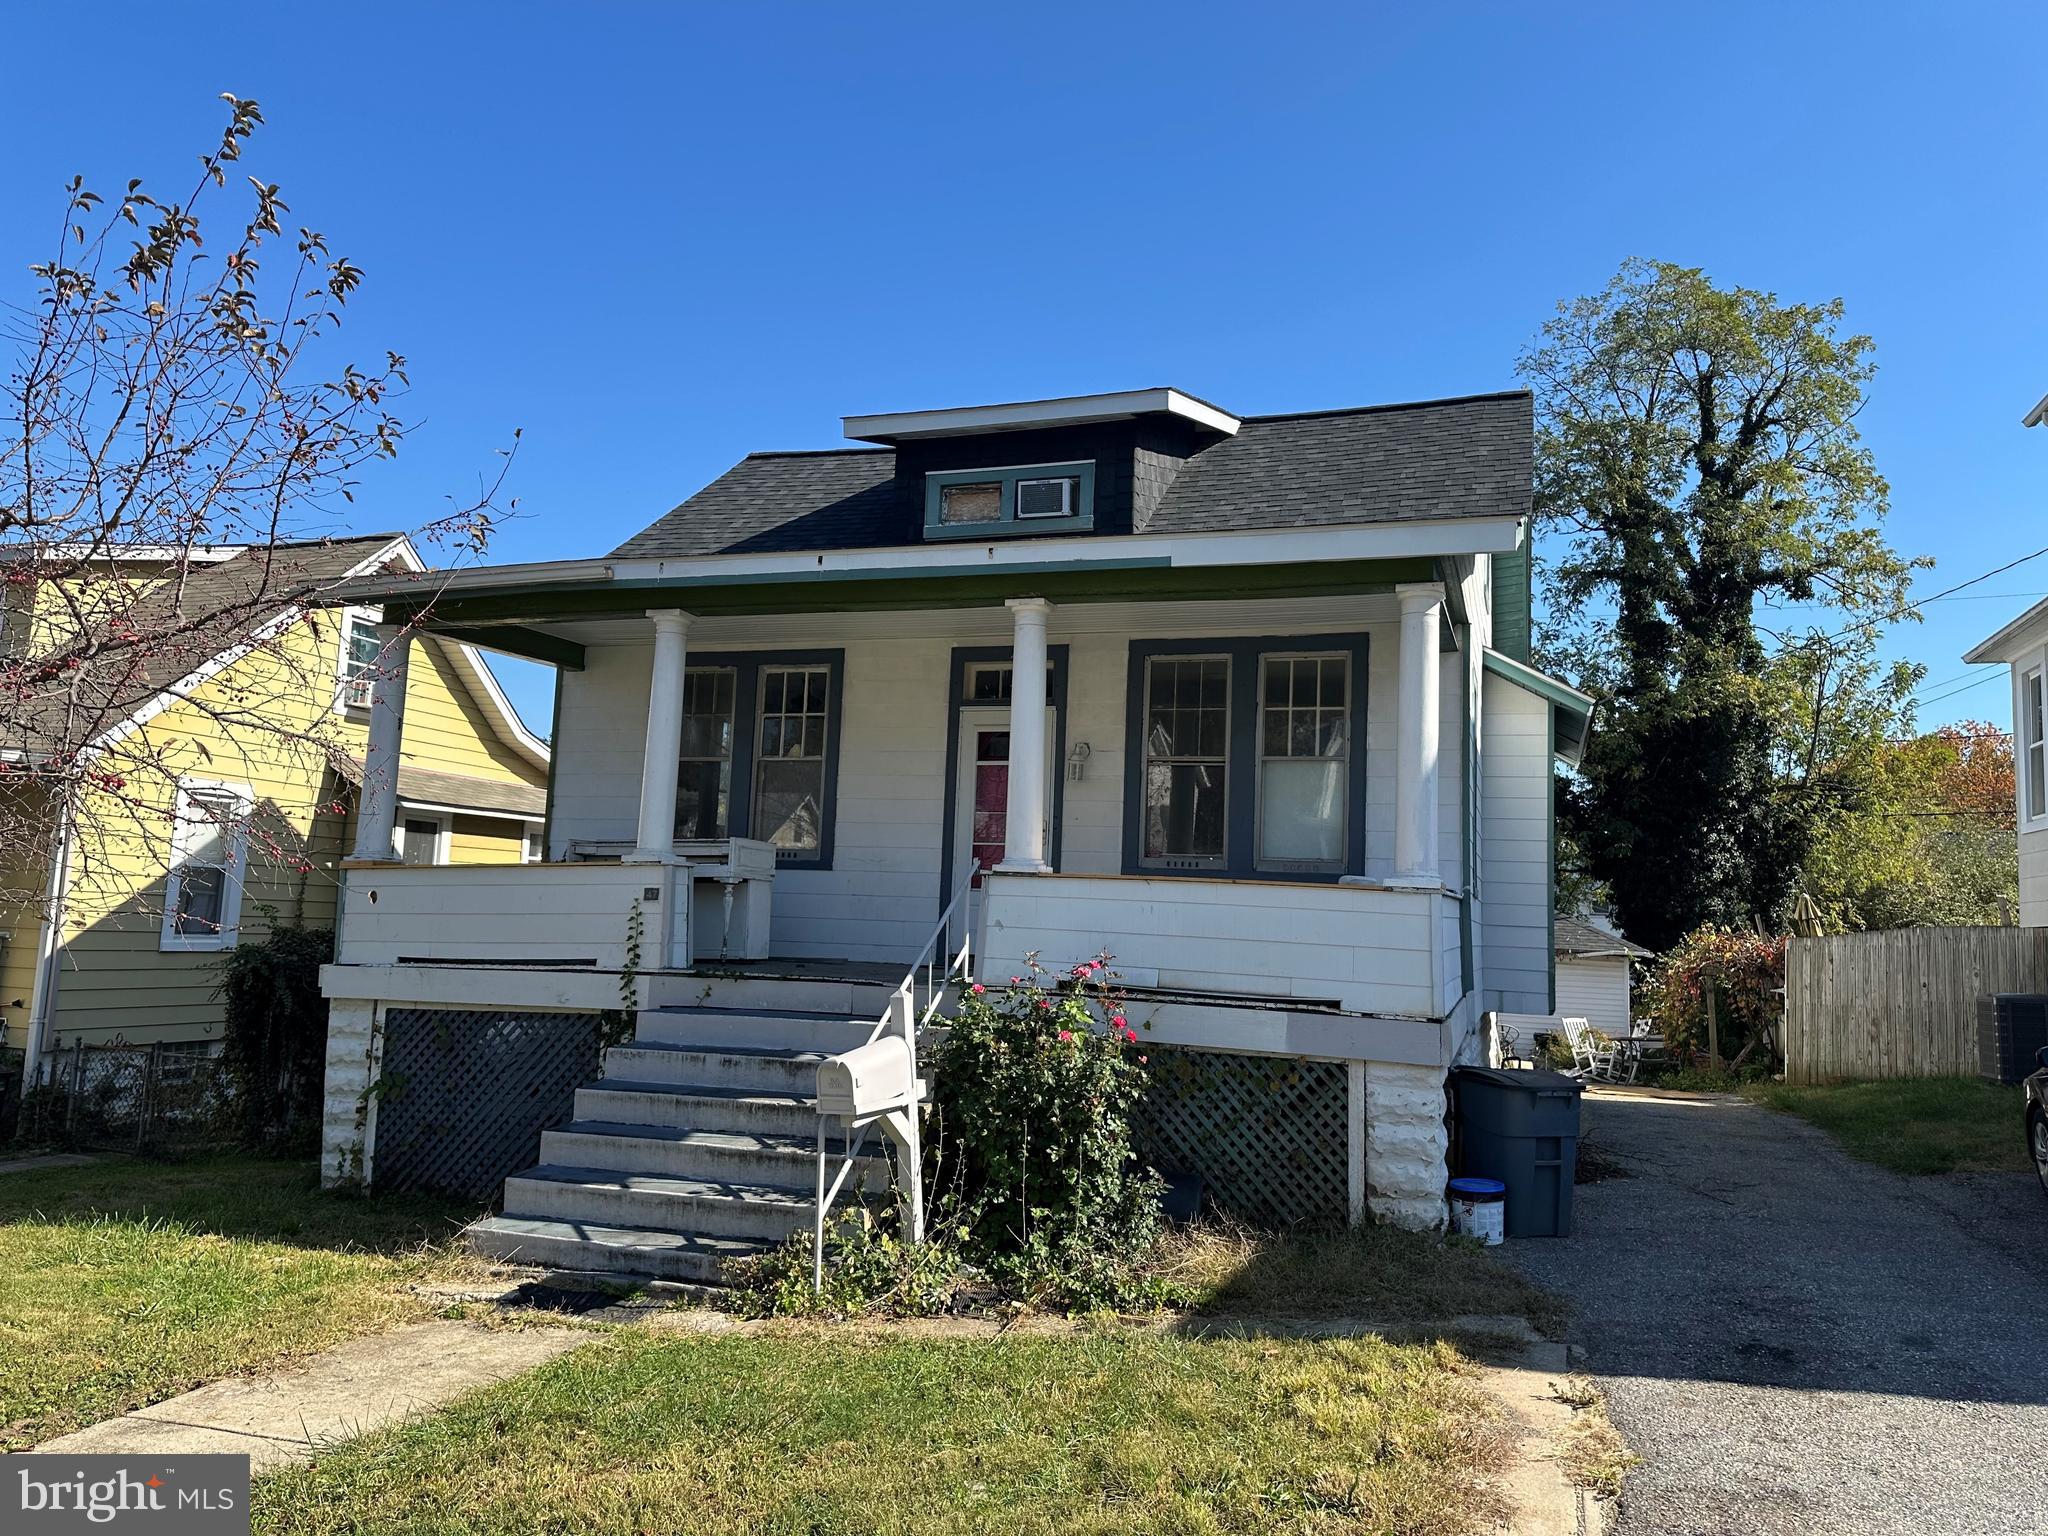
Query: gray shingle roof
(1573, 937)
(179, 628)
(1468, 457)
(430, 786)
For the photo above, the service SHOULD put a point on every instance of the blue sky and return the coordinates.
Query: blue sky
(657, 237)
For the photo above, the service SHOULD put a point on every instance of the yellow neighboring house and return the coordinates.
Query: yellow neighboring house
(229, 795)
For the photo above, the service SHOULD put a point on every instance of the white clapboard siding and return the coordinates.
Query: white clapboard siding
(503, 912)
(1515, 849)
(881, 897)
(2034, 878)
(1362, 946)
(1594, 988)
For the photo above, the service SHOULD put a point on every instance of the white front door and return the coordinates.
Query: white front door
(981, 797)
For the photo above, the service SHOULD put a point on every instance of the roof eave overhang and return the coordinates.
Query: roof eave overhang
(1025, 415)
(1419, 539)
(1574, 710)
(2022, 634)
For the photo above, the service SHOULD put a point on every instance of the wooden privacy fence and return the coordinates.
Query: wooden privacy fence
(1902, 1002)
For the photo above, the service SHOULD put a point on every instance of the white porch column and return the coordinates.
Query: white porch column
(1024, 846)
(377, 808)
(656, 835)
(1415, 736)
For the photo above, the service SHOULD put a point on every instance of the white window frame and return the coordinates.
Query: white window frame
(184, 828)
(2028, 777)
(533, 843)
(346, 686)
(1279, 866)
(443, 836)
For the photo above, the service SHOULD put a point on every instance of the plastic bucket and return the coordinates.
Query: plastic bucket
(1479, 1209)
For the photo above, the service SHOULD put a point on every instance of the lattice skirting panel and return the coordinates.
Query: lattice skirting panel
(1267, 1134)
(465, 1094)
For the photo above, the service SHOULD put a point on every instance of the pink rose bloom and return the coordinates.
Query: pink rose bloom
(979, 989)
(1065, 1036)
(1143, 1059)
(1117, 1019)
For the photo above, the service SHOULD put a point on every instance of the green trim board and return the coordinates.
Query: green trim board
(857, 592)
(517, 640)
(1550, 873)
(1510, 582)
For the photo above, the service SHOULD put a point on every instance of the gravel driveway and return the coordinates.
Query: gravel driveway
(1797, 1342)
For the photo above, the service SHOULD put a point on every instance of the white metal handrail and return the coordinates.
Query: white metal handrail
(912, 1006)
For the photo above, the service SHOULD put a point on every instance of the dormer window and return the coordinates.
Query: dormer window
(1028, 498)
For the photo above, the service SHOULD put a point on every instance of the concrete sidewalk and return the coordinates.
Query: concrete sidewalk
(286, 1416)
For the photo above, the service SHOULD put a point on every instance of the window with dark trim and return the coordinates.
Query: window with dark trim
(760, 752)
(1245, 757)
(1027, 498)
(704, 773)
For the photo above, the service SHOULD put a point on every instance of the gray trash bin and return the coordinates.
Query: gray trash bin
(1523, 1129)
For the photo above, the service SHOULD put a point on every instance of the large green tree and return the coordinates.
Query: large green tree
(1699, 477)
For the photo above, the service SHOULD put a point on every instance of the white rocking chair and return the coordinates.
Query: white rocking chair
(1595, 1057)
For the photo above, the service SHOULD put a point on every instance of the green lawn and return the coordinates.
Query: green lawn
(805, 1430)
(1914, 1124)
(123, 1283)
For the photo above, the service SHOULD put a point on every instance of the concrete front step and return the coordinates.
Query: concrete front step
(622, 1251)
(765, 1068)
(791, 1031)
(790, 1162)
(853, 999)
(752, 1212)
(698, 1107)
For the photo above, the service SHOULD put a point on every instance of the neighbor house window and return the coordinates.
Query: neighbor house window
(536, 845)
(704, 777)
(1304, 760)
(1032, 498)
(361, 652)
(1187, 767)
(209, 849)
(1246, 757)
(421, 840)
(789, 767)
(2034, 743)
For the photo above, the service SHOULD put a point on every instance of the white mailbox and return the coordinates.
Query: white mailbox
(868, 1080)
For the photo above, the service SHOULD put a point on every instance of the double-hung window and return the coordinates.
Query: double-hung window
(1247, 759)
(1187, 761)
(362, 653)
(1304, 762)
(789, 775)
(758, 752)
(2033, 732)
(209, 854)
(704, 779)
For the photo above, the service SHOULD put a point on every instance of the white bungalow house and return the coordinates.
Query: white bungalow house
(1242, 701)
(2022, 646)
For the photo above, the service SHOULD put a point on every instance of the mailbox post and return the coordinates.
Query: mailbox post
(872, 1084)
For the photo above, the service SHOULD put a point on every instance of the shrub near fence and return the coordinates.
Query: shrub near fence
(1902, 1002)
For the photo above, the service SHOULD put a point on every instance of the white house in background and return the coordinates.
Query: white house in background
(1243, 701)
(1593, 975)
(2023, 646)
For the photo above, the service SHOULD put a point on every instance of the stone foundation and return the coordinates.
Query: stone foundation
(1407, 1150)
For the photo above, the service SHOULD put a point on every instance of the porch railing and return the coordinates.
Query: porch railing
(912, 1006)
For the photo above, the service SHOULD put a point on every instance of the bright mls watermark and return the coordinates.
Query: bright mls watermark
(163, 1495)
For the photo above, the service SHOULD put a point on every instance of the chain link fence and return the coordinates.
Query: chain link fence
(160, 1098)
